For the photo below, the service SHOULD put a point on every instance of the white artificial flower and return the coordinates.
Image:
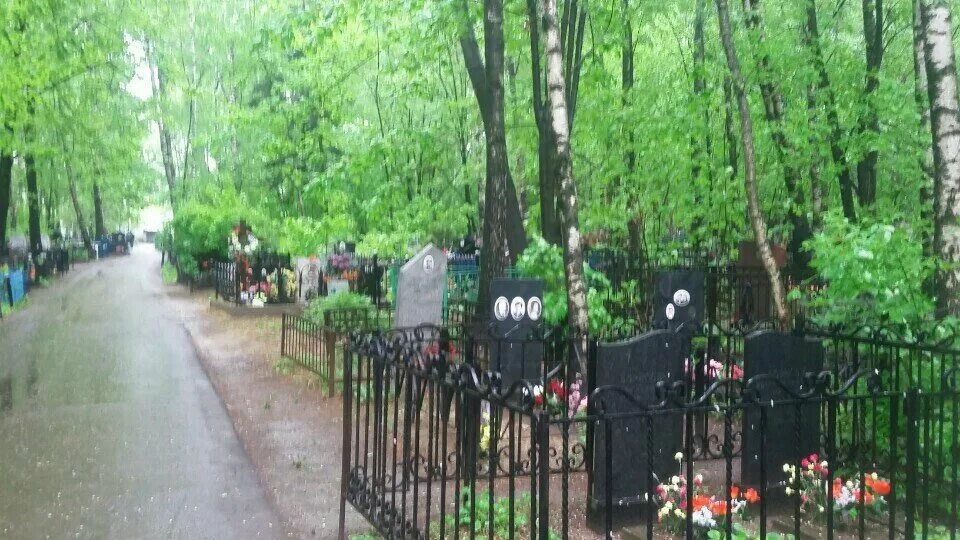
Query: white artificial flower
(789, 491)
(678, 456)
(704, 518)
(786, 467)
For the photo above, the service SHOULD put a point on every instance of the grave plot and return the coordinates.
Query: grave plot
(435, 448)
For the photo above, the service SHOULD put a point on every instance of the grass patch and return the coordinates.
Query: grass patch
(168, 273)
(284, 366)
(7, 309)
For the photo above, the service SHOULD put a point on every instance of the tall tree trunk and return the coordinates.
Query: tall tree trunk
(571, 39)
(873, 41)
(773, 106)
(833, 121)
(78, 210)
(549, 220)
(634, 219)
(927, 200)
(560, 125)
(730, 138)
(157, 83)
(496, 254)
(99, 227)
(6, 181)
(503, 235)
(33, 205)
(749, 165)
(945, 124)
(700, 137)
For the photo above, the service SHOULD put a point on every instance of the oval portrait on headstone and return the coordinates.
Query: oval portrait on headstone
(429, 264)
(518, 308)
(501, 308)
(671, 311)
(534, 308)
(681, 298)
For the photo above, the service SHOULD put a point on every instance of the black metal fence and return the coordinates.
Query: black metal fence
(318, 347)
(503, 439)
(268, 276)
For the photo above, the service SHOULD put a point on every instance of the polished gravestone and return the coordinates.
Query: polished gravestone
(679, 300)
(420, 289)
(516, 315)
(636, 365)
(790, 431)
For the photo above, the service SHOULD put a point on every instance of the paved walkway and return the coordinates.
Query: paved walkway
(108, 426)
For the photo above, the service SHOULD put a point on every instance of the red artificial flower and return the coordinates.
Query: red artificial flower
(538, 400)
(878, 486)
(752, 496)
(734, 492)
(718, 508)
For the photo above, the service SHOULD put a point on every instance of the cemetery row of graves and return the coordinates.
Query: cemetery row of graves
(21, 269)
(699, 417)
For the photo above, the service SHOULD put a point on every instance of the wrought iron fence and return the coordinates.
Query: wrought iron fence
(442, 439)
(231, 286)
(318, 347)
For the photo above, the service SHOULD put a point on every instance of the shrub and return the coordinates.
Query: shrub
(544, 261)
(875, 274)
(345, 300)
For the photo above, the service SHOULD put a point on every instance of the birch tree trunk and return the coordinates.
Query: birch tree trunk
(549, 220)
(749, 164)
(945, 123)
(560, 125)
(927, 200)
(774, 107)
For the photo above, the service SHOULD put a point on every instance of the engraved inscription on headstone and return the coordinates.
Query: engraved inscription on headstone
(787, 436)
(636, 365)
(513, 353)
(420, 289)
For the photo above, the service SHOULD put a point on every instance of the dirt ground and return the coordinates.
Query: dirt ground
(289, 428)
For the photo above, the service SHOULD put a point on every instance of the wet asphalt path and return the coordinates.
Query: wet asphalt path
(108, 426)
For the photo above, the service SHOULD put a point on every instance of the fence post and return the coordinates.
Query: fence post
(347, 432)
(330, 348)
(543, 463)
(283, 335)
(913, 435)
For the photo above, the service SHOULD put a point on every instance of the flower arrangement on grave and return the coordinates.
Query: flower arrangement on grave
(809, 482)
(714, 369)
(246, 245)
(709, 512)
(558, 401)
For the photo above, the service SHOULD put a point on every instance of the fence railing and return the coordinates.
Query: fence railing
(439, 444)
(319, 347)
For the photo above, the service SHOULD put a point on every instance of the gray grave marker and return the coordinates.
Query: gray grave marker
(420, 289)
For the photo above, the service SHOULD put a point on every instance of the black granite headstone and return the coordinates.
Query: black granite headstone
(516, 313)
(788, 358)
(679, 299)
(636, 365)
